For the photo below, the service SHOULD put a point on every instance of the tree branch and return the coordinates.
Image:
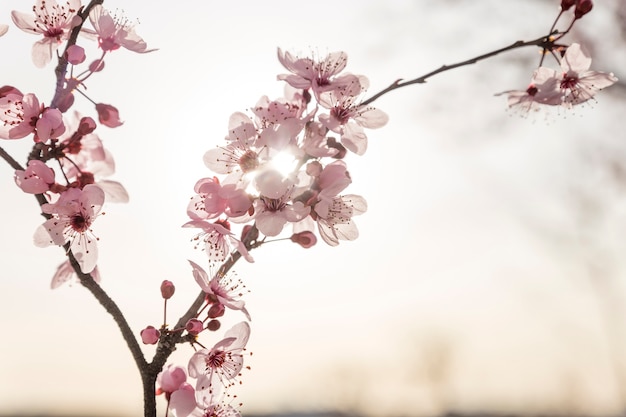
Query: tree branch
(545, 42)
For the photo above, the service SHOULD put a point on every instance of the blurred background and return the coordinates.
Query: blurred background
(489, 276)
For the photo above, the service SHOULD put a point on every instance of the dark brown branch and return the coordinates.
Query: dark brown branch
(10, 160)
(545, 42)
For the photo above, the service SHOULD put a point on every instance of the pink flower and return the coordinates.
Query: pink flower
(19, 114)
(334, 218)
(348, 117)
(65, 273)
(108, 115)
(219, 241)
(150, 335)
(223, 361)
(183, 401)
(115, 32)
(543, 90)
(52, 20)
(214, 199)
(36, 179)
(240, 155)
(87, 161)
(578, 83)
(212, 404)
(273, 208)
(72, 217)
(3, 29)
(170, 379)
(221, 289)
(320, 75)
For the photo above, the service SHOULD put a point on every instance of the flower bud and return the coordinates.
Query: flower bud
(86, 126)
(216, 310)
(108, 115)
(75, 55)
(213, 325)
(567, 4)
(167, 289)
(150, 335)
(66, 101)
(305, 239)
(97, 65)
(582, 8)
(194, 327)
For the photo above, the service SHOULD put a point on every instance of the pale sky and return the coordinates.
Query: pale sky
(489, 271)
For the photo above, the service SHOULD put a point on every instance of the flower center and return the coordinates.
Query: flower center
(215, 360)
(79, 223)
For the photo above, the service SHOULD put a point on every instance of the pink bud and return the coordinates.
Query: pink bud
(86, 126)
(150, 335)
(194, 327)
(213, 325)
(65, 102)
(108, 115)
(167, 289)
(567, 4)
(75, 55)
(97, 65)
(216, 310)
(582, 8)
(305, 239)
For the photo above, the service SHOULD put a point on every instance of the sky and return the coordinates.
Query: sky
(488, 274)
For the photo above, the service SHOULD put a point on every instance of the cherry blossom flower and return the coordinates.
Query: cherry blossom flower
(36, 178)
(543, 90)
(22, 115)
(224, 361)
(334, 219)
(115, 31)
(51, 19)
(320, 75)
(172, 381)
(214, 199)
(19, 114)
(222, 289)
(3, 29)
(212, 404)
(273, 208)
(87, 161)
(348, 117)
(73, 214)
(219, 241)
(240, 155)
(65, 273)
(578, 82)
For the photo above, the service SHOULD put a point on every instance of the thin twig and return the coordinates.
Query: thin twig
(545, 42)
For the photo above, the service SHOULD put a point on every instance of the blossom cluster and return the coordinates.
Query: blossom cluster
(574, 82)
(76, 188)
(282, 166)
